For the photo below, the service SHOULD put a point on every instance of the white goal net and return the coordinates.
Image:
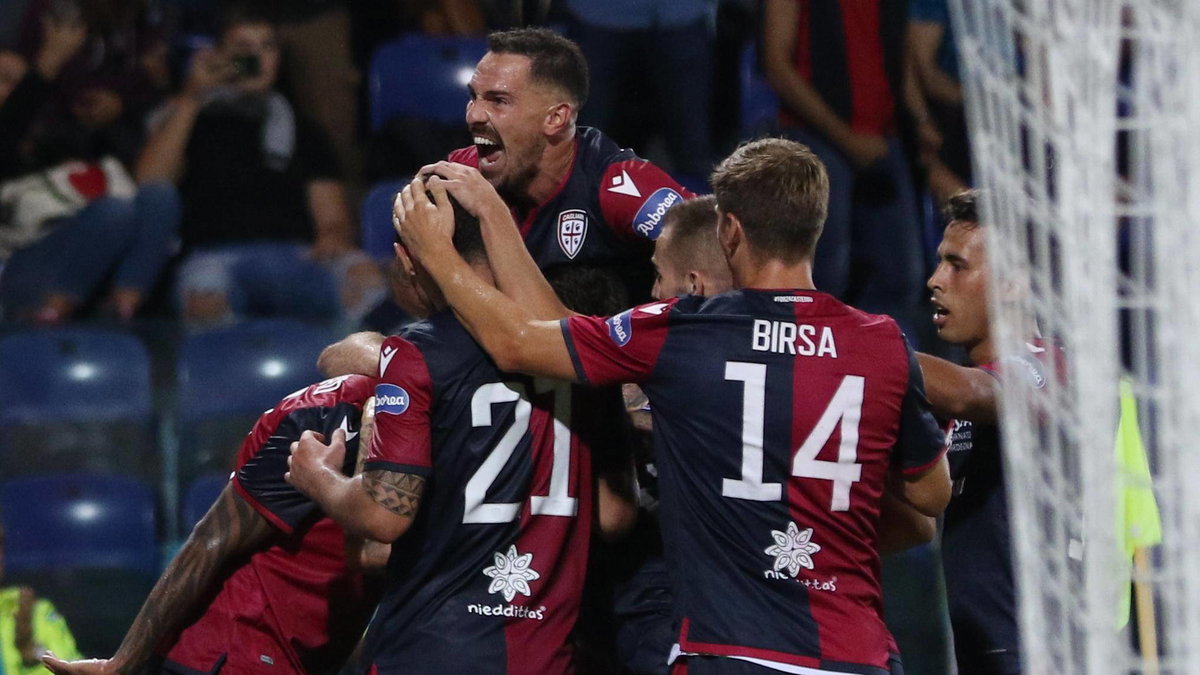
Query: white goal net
(1085, 130)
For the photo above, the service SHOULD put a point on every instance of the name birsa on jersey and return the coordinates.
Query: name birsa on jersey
(797, 339)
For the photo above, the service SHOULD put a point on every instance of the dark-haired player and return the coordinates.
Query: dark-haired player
(577, 196)
(780, 414)
(489, 477)
(976, 545)
(263, 584)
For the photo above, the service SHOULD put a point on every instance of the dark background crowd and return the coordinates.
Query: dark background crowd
(196, 193)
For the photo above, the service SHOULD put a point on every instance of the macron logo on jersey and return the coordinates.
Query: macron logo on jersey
(620, 328)
(648, 221)
(624, 185)
(390, 399)
(385, 359)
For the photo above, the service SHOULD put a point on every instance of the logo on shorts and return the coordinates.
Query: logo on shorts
(390, 399)
(648, 221)
(620, 328)
(572, 230)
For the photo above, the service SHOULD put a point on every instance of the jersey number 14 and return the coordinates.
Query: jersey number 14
(845, 407)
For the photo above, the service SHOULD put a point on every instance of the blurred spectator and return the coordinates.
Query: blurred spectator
(120, 73)
(29, 627)
(70, 216)
(934, 60)
(319, 70)
(657, 54)
(444, 17)
(266, 228)
(838, 68)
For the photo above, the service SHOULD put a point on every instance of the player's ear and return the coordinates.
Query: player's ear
(558, 119)
(729, 233)
(406, 263)
(695, 282)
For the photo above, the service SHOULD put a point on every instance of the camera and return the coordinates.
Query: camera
(246, 66)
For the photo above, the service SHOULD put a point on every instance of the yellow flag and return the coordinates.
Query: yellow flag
(1138, 524)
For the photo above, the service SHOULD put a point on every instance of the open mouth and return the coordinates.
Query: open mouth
(489, 150)
(939, 313)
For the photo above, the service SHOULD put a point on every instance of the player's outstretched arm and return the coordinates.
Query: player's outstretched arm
(517, 275)
(514, 338)
(355, 354)
(375, 504)
(230, 529)
(958, 392)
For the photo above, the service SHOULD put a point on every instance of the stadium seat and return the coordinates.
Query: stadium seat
(75, 399)
(79, 520)
(228, 376)
(87, 543)
(201, 495)
(422, 76)
(377, 231)
(759, 105)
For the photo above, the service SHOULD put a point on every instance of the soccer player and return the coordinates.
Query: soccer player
(489, 478)
(264, 583)
(976, 546)
(780, 414)
(578, 197)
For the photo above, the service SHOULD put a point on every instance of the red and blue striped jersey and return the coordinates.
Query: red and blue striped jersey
(777, 416)
(488, 579)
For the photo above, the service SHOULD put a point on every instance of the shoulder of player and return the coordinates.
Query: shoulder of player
(440, 345)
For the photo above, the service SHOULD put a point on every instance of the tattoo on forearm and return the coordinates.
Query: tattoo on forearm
(230, 528)
(399, 493)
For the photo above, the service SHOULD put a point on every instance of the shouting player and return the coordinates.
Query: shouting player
(780, 415)
(264, 583)
(578, 197)
(489, 478)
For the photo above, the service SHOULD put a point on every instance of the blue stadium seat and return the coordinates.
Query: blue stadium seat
(377, 231)
(79, 520)
(423, 76)
(73, 374)
(201, 495)
(759, 105)
(75, 399)
(247, 367)
(228, 376)
(86, 542)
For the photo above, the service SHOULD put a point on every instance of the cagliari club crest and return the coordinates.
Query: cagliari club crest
(572, 230)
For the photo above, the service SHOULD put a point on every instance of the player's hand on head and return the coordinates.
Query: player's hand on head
(473, 192)
(311, 456)
(424, 217)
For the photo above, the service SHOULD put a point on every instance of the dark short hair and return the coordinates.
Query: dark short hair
(963, 209)
(779, 190)
(595, 291)
(554, 59)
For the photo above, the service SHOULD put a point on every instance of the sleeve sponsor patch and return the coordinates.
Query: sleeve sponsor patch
(390, 399)
(648, 220)
(620, 328)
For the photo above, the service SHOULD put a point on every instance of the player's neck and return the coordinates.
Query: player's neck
(555, 165)
(772, 273)
(982, 352)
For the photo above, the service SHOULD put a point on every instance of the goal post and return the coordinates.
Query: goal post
(1084, 119)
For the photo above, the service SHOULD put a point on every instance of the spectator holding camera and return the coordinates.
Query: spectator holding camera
(265, 225)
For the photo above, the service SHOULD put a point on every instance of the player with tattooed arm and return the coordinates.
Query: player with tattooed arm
(265, 582)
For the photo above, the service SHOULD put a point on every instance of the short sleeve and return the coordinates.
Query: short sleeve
(259, 480)
(920, 442)
(635, 196)
(622, 348)
(403, 396)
